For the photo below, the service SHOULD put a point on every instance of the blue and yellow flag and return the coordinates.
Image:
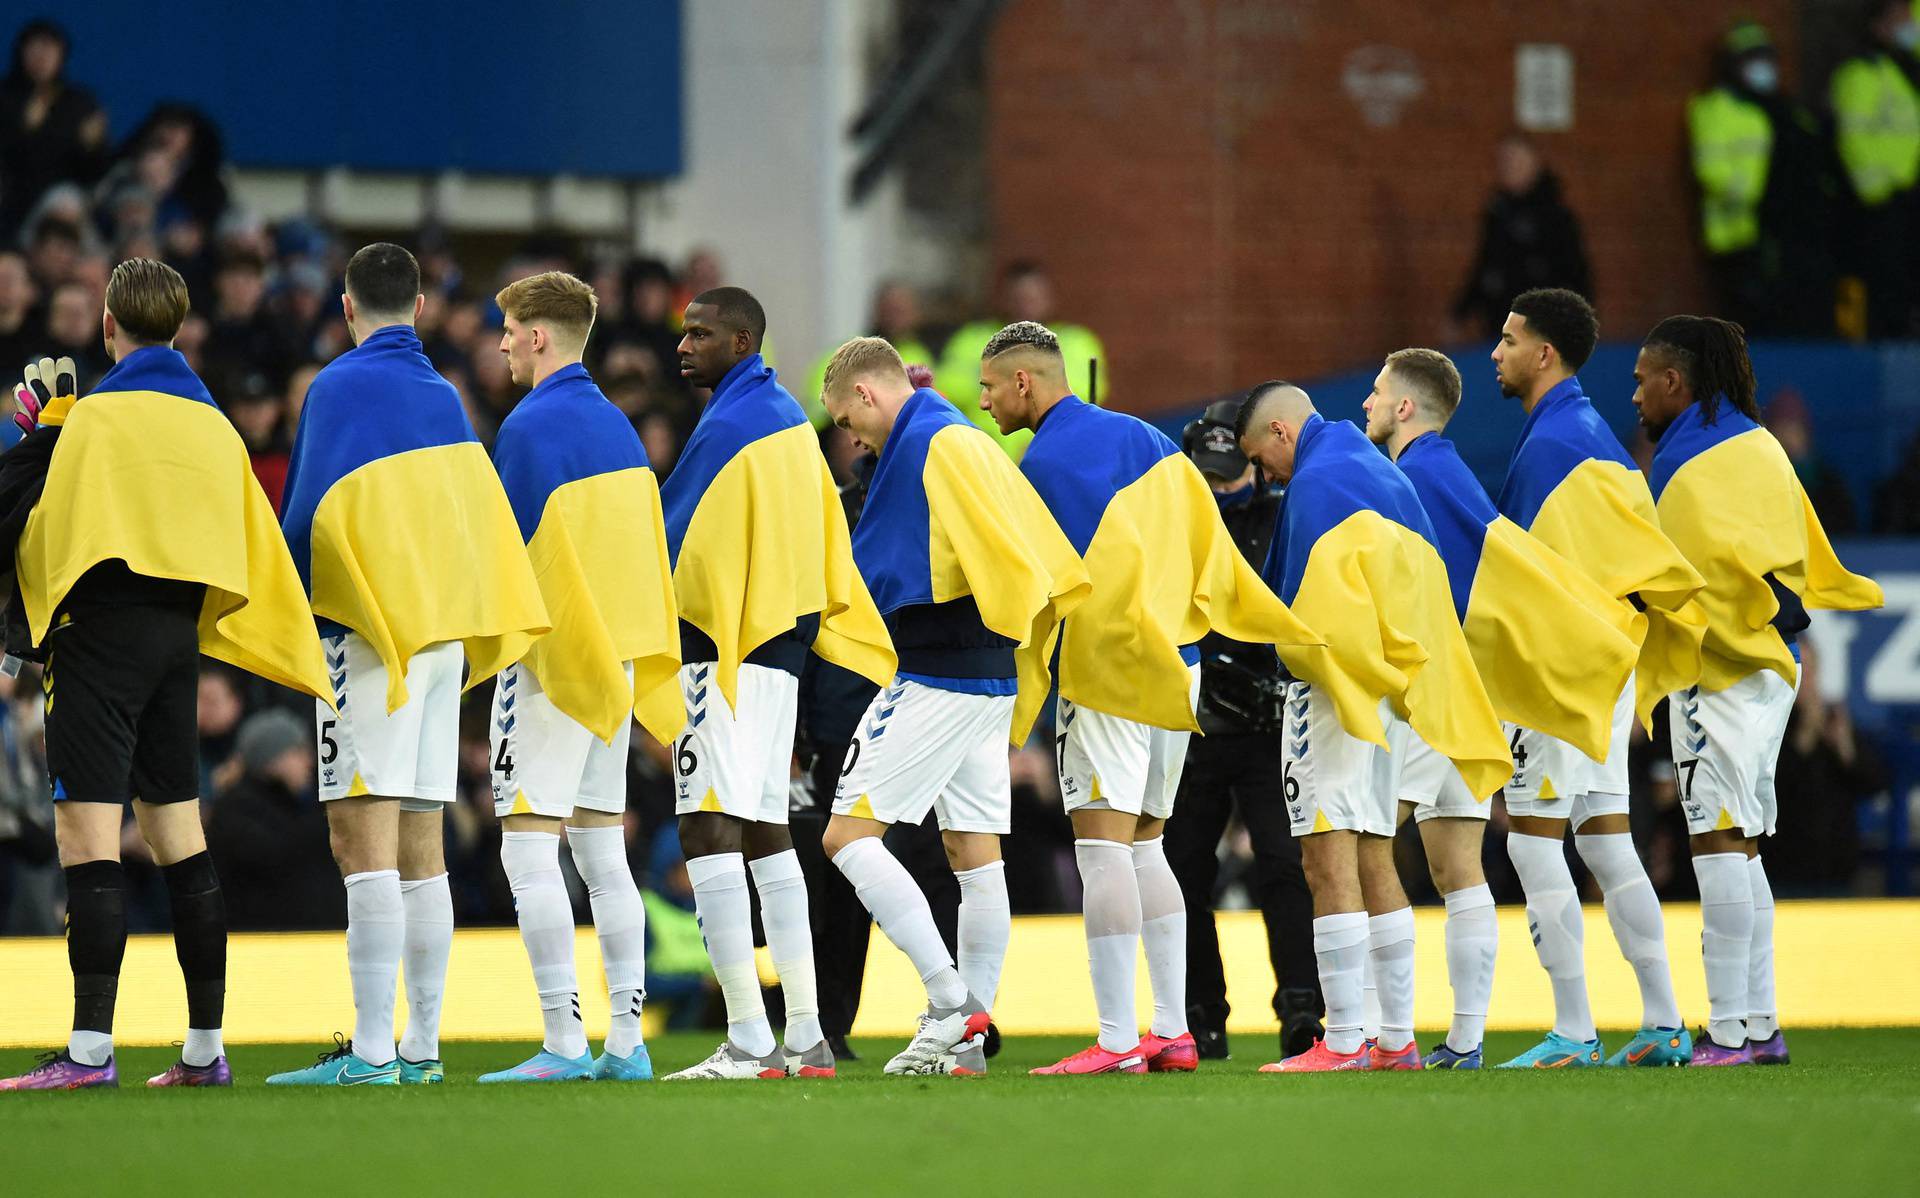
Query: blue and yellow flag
(1553, 649)
(588, 507)
(397, 522)
(758, 538)
(1354, 554)
(949, 515)
(1572, 485)
(147, 470)
(1164, 570)
(1729, 498)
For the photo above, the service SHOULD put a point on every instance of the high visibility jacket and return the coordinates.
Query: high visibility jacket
(1876, 114)
(1732, 141)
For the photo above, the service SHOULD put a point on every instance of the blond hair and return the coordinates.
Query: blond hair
(859, 358)
(562, 302)
(148, 300)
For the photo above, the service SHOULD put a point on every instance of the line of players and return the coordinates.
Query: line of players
(1413, 613)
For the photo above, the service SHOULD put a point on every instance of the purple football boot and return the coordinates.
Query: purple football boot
(1706, 1053)
(1770, 1051)
(58, 1071)
(182, 1074)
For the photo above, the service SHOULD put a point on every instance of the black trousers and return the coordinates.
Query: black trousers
(1225, 774)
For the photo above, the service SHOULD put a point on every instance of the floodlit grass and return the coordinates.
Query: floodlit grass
(1843, 1119)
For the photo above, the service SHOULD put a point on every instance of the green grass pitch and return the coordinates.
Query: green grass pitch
(1844, 1118)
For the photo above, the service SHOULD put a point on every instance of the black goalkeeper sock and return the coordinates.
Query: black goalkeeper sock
(96, 940)
(199, 937)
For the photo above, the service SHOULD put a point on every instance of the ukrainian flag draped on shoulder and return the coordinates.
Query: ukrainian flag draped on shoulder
(147, 470)
(1164, 569)
(949, 515)
(397, 522)
(1354, 555)
(758, 538)
(588, 507)
(1553, 648)
(1572, 485)
(1729, 498)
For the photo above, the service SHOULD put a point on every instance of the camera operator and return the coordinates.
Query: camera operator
(1235, 767)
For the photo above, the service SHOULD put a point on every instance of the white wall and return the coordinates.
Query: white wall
(771, 86)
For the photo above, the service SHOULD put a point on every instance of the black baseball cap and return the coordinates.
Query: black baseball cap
(1210, 442)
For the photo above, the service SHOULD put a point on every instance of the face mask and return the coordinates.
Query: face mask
(1761, 76)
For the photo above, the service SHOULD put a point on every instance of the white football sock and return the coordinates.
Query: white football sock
(1163, 933)
(783, 913)
(428, 903)
(620, 920)
(1369, 1000)
(90, 1048)
(1633, 910)
(1473, 941)
(986, 925)
(532, 864)
(1559, 930)
(1726, 942)
(203, 1046)
(1111, 911)
(1762, 1019)
(376, 931)
(1390, 948)
(890, 894)
(720, 902)
(1340, 947)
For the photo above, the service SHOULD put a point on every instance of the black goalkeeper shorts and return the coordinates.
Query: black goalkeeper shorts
(122, 689)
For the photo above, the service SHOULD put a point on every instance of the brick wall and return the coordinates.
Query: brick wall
(1214, 203)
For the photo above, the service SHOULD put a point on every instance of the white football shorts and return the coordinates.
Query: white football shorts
(1553, 780)
(412, 754)
(1434, 786)
(1332, 781)
(544, 761)
(737, 763)
(1107, 763)
(921, 747)
(1725, 747)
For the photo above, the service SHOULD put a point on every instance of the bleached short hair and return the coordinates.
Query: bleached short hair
(1022, 334)
(859, 358)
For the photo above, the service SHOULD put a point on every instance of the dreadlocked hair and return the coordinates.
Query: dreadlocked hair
(1711, 354)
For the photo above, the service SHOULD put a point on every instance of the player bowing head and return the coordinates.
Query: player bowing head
(1268, 427)
(1164, 571)
(1021, 375)
(936, 737)
(1357, 558)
